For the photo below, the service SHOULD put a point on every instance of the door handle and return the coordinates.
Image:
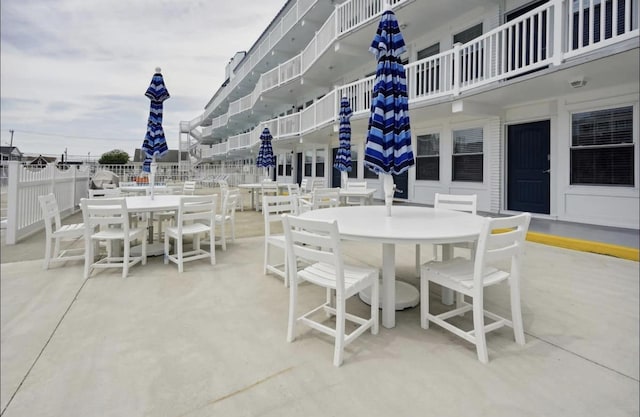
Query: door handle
(546, 171)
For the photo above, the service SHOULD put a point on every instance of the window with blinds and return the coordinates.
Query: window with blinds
(354, 164)
(428, 157)
(321, 156)
(602, 148)
(308, 163)
(467, 163)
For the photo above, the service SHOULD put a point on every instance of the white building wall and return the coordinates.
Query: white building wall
(611, 206)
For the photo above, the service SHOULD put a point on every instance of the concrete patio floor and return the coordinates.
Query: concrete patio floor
(211, 342)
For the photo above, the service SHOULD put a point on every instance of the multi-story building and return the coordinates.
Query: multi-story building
(531, 105)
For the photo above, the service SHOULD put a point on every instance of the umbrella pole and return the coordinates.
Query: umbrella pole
(344, 176)
(152, 180)
(389, 189)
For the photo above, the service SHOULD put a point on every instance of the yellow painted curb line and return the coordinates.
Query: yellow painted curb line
(617, 251)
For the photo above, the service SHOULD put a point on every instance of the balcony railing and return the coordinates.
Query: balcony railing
(522, 45)
(355, 12)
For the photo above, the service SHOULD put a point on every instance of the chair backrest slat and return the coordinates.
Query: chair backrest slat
(314, 241)
(105, 212)
(500, 239)
(196, 209)
(325, 197)
(462, 202)
(50, 212)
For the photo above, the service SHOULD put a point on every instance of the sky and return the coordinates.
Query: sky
(74, 72)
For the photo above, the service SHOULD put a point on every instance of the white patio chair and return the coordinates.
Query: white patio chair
(320, 198)
(226, 217)
(273, 207)
(111, 218)
(501, 243)
(317, 243)
(196, 217)
(189, 188)
(464, 202)
(268, 189)
(105, 193)
(355, 186)
(56, 233)
(305, 186)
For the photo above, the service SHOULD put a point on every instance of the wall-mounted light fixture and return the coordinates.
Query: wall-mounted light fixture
(577, 82)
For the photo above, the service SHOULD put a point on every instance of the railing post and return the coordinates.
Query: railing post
(12, 202)
(457, 62)
(559, 30)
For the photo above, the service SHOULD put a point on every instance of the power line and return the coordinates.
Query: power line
(59, 135)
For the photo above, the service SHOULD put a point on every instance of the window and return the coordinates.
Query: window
(354, 164)
(468, 35)
(467, 155)
(321, 156)
(472, 60)
(308, 161)
(428, 73)
(428, 157)
(602, 148)
(288, 163)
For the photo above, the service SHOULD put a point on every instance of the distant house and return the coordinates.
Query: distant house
(40, 161)
(10, 153)
(170, 157)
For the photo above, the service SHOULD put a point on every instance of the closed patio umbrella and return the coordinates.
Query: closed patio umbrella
(343, 157)
(265, 157)
(388, 146)
(155, 144)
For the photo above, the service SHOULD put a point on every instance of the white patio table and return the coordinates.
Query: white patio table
(406, 225)
(146, 189)
(255, 187)
(365, 195)
(144, 204)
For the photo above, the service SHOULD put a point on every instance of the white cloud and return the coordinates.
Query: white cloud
(76, 69)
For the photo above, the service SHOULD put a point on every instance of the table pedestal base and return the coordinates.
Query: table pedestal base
(407, 296)
(153, 249)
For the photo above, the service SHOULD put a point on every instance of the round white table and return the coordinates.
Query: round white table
(145, 204)
(254, 188)
(406, 225)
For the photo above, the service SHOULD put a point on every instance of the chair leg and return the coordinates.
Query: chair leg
(478, 326)
(179, 252)
(144, 250)
(88, 256)
(375, 305)
(47, 253)
(233, 230)
(266, 256)
(56, 248)
(166, 248)
(223, 235)
(212, 248)
(424, 302)
(293, 299)
(125, 259)
(340, 323)
(418, 263)
(516, 311)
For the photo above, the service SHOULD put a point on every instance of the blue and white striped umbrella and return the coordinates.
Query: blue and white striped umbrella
(265, 154)
(343, 156)
(155, 144)
(388, 146)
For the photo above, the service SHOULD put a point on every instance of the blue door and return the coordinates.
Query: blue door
(528, 173)
(402, 185)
